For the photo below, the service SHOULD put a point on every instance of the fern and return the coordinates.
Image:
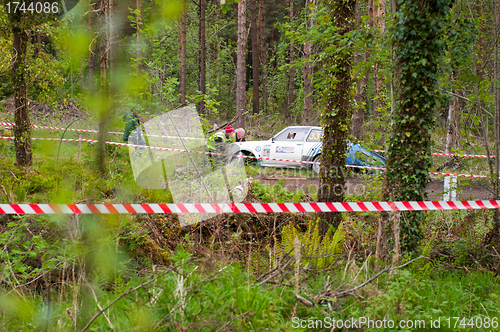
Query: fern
(317, 252)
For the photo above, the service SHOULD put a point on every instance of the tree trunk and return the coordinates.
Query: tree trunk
(182, 79)
(308, 71)
(452, 124)
(359, 111)
(378, 25)
(138, 36)
(386, 217)
(337, 115)
(418, 50)
(255, 58)
(111, 43)
(291, 73)
(263, 53)
(203, 57)
(103, 63)
(493, 236)
(22, 130)
(308, 84)
(241, 63)
(91, 53)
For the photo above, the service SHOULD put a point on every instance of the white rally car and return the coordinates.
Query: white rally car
(301, 143)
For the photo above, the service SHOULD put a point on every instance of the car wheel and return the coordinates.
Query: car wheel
(315, 167)
(248, 161)
(236, 159)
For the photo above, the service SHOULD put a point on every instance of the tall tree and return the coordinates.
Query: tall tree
(91, 47)
(102, 14)
(452, 124)
(358, 114)
(139, 15)
(378, 26)
(203, 55)
(263, 52)
(337, 112)
(493, 236)
(418, 40)
(22, 130)
(308, 69)
(183, 45)
(111, 40)
(241, 63)
(291, 72)
(255, 58)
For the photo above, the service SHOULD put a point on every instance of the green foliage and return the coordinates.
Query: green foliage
(276, 193)
(318, 252)
(28, 250)
(450, 295)
(184, 297)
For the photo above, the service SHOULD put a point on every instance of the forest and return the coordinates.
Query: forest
(89, 243)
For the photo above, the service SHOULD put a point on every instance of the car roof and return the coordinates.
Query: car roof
(305, 127)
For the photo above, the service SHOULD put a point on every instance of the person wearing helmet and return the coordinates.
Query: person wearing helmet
(219, 143)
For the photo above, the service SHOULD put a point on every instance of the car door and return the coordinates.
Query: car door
(313, 144)
(288, 144)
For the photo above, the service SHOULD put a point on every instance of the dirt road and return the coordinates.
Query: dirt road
(469, 189)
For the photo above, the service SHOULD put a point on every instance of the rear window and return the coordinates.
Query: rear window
(315, 136)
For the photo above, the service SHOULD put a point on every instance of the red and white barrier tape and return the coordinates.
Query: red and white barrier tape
(453, 155)
(245, 207)
(9, 124)
(227, 155)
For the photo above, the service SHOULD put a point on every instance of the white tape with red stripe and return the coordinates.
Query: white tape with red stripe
(227, 155)
(245, 207)
(9, 124)
(453, 155)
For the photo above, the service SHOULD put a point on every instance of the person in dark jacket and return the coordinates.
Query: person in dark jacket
(131, 124)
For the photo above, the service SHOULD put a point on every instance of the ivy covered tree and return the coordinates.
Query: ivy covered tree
(336, 115)
(22, 20)
(418, 46)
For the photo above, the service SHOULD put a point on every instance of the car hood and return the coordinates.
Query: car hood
(249, 146)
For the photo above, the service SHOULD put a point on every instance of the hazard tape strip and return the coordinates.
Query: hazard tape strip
(453, 155)
(245, 207)
(227, 155)
(9, 124)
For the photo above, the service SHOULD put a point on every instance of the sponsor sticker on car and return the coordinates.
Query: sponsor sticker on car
(285, 149)
(266, 152)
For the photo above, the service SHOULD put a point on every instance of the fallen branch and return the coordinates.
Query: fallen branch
(130, 291)
(224, 125)
(331, 295)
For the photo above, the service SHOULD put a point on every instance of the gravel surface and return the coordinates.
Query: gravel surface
(471, 189)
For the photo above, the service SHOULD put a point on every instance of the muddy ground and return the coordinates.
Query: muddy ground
(470, 189)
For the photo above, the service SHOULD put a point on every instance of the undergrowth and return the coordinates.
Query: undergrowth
(233, 272)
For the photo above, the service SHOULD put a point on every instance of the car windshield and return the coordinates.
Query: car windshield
(292, 134)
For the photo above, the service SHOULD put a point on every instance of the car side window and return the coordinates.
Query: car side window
(292, 135)
(315, 136)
